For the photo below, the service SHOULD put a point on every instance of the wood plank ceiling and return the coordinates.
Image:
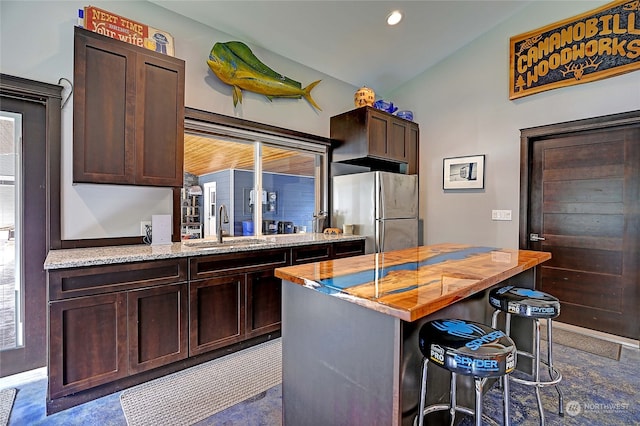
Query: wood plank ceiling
(204, 154)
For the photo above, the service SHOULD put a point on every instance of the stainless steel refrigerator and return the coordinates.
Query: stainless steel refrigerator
(381, 205)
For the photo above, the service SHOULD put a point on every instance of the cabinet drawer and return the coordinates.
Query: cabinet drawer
(67, 283)
(349, 248)
(209, 266)
(312, 253)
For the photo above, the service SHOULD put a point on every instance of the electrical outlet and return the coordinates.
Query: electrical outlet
(500, 214)
(143, 227)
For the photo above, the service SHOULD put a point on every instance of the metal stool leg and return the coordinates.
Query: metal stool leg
(536, 367)
(505, 399)
(478, 383)
(552, 372)
(453, 394)
(423, 391)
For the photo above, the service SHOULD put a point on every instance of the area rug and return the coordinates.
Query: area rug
(191, 395)
(584, 343)
(6, 403)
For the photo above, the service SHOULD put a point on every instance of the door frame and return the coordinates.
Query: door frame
(33, 353)
(531, 135)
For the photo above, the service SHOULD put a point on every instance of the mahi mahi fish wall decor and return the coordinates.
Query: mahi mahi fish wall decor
(236, 65)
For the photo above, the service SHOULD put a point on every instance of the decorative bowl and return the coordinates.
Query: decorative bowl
(385, 106)
(407, 115)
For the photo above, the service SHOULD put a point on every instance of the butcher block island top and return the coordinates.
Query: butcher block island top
(412, 283)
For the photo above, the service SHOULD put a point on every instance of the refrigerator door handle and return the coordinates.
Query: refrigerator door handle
(380, 237)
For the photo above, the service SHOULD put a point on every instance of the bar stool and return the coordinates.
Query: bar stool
(467, 348)
(534, 305)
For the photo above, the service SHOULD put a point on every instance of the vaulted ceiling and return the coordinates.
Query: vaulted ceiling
(349, 40)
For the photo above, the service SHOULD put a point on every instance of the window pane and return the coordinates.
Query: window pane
(275, 183)
(222, 172)
(289, 180)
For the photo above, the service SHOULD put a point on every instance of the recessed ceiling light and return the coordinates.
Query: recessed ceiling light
(394, 17)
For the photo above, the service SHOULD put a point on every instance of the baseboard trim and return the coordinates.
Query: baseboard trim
(24, 377)
(624, 341)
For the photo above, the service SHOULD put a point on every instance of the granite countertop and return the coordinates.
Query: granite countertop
(412, 283)
(73, 258)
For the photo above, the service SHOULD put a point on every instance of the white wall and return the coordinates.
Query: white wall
(36, 42)
(462, 107)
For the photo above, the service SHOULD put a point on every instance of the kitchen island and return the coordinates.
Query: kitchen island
(350, 328)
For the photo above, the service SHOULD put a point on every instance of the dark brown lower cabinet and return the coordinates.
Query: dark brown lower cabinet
(157, 326)
(264, 303)
(88, 342)
(216, 312)
(112, 326)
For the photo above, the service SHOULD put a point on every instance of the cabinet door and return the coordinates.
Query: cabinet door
(157, 326)
(88, 342)
(216, 311)
(103, 111)
(378, 128)
(159, 121)
(398, 140)
(264, 303)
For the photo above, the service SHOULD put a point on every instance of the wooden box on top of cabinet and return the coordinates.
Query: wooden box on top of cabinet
(128, 113)
(370, 137)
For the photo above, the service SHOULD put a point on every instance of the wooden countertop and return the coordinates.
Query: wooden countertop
(412, 283)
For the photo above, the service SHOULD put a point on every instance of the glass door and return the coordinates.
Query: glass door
(11, 286)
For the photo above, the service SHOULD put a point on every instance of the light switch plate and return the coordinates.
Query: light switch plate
(160, 229)
(500, 214)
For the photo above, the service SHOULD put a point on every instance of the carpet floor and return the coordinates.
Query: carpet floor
(229, 380)
(7, 397)
(599, 390)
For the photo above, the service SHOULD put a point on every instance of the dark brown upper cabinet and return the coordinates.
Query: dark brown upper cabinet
(128, 114)
(369, 137)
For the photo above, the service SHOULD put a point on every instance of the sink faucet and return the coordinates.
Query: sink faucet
(223, 217)
(319, 221)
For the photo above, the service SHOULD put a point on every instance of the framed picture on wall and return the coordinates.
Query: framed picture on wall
(463, 172)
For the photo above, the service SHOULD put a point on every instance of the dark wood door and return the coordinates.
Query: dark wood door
(30, 236)
(584, 202)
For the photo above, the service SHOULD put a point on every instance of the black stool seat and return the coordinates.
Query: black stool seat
(532, 305)
(524, 302)
(468, 348)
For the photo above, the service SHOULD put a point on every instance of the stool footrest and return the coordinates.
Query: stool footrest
(445, 407)
(555, 379)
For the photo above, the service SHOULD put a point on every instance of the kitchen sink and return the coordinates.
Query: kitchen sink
(230, 242)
